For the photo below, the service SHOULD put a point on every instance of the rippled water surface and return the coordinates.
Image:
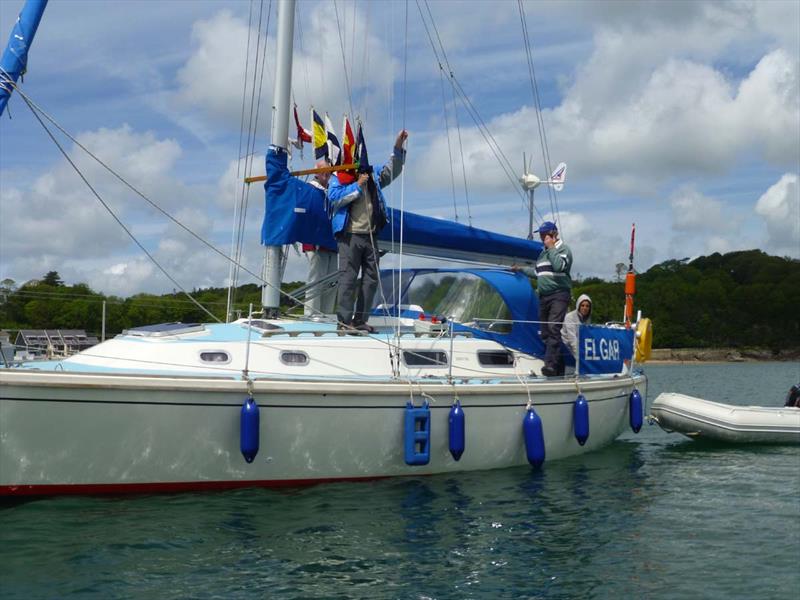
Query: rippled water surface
(655, 515)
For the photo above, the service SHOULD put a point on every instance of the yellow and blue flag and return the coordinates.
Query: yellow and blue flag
(320, 136)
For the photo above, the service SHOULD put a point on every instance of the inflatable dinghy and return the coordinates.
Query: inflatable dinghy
(703, 419)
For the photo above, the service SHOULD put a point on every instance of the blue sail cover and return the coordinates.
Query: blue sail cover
(298, 212)
(15, 56)
(428, 236)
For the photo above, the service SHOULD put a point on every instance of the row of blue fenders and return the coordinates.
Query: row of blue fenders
(418, 429)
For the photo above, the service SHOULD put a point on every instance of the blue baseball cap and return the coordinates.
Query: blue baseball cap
(547, 227)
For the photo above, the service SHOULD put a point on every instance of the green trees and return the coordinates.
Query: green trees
(49, 303)
(745, 298)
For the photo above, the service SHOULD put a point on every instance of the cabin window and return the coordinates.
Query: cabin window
(425, 358)
(215, 356)
(265, 325)
(495, 358)
(164, 329)
(294, 358)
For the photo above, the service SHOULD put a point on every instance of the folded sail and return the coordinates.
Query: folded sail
(438, 238)
(15, 57)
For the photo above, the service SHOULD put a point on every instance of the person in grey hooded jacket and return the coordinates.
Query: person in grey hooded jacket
(582, 315)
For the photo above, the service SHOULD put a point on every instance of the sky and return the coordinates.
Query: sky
(680, 117)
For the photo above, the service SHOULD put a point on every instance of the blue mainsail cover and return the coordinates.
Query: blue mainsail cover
(15, 56)
(603, 349)
(298, 212)
(429, 236)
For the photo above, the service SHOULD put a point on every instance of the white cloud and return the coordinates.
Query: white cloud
(213, 77)
(687, 119)
(123, 279)
(779, 206)
(317, 78)
(58, 224)
(696, 213)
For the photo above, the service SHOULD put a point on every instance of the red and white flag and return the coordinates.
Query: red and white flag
(303, 134)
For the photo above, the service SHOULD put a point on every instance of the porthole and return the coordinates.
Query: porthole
(294, 358)
(219, 357)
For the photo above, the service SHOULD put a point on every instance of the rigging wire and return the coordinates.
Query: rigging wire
(114, 215)
(38, 110)
(252, 132)
(232, 271)
(402, 176)
(472, 111)
(455, 104)
(365, 55)
(244, 199)
(446, 118)
(553, 196)
(353, 45)
(449, 147)
(344, 58)
(261, 81)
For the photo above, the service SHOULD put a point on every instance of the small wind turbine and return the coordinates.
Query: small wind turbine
(530, 182)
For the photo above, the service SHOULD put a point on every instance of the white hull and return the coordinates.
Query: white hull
(702, 419)
(95, 433)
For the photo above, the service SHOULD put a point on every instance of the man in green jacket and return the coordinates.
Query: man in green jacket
(555, 290)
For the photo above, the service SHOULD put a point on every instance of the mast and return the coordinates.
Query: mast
(530, 214)
(15, 57)
(270, 294)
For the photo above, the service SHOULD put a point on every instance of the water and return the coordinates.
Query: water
(655, 515)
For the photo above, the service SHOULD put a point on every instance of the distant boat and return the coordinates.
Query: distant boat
(451, 381)
(702, 419)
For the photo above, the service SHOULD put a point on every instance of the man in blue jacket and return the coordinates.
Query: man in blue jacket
(359, 213)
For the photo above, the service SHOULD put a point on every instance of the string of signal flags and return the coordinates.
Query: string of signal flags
(348, 155)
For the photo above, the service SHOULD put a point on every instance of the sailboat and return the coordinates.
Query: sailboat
(273, 401)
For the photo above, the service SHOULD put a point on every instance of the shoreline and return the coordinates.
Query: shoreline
(721, 355)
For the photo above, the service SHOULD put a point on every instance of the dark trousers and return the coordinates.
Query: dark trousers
(356, 253)
(552, 310)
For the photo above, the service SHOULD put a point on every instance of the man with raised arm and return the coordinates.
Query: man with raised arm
(359, 213)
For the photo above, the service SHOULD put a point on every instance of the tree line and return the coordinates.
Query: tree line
(739, 299)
